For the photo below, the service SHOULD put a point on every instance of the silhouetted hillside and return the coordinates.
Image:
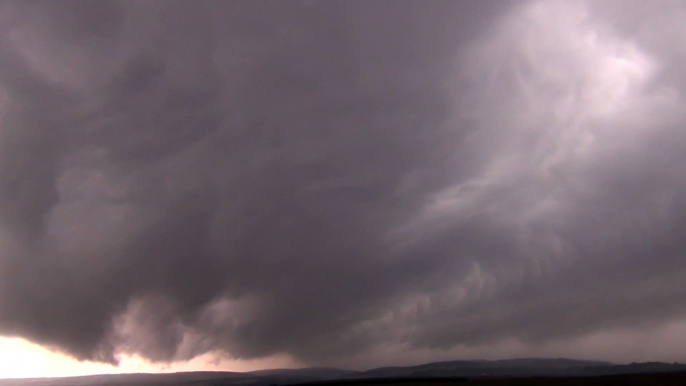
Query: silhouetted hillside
(512, 371)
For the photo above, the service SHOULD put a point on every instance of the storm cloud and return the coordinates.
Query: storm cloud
(325, 179)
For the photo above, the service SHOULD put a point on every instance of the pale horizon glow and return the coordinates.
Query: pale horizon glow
(23, 359)
(20, 358)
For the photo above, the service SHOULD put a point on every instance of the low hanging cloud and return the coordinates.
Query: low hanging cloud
(337, 180)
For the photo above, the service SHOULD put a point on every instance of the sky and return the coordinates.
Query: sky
(243, 185)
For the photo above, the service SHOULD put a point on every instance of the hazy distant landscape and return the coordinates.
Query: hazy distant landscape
(479, 372)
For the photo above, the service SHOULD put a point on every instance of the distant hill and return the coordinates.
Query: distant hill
(534, 366)
(311, 372)
(126, 379)
(462, 369)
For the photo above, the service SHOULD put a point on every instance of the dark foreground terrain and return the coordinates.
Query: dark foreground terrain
(671, 379)
(564, 372)
(667, 379)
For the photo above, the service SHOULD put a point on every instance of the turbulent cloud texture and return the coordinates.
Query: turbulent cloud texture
(326, 179)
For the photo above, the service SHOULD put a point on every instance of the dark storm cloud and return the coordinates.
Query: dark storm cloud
(321, 179)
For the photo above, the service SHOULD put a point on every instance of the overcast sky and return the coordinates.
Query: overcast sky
(351, 183)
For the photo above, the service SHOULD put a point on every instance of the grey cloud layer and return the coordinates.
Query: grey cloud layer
(321, 179)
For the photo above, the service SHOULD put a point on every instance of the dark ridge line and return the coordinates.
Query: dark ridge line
(380, 380)
(400, 380)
